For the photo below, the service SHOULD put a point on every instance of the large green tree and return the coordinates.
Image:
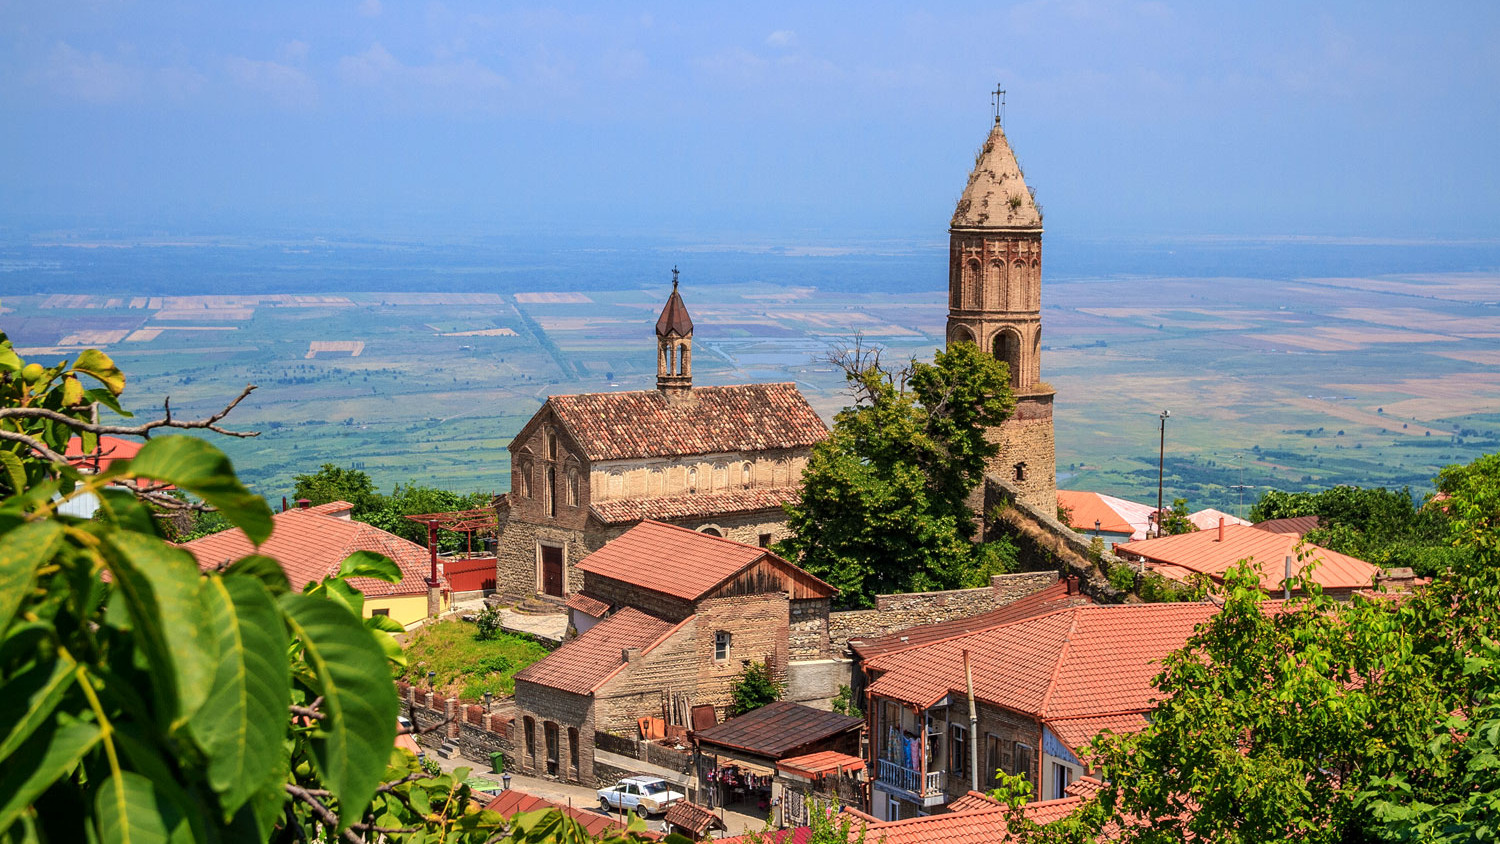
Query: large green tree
(1387, 527)
(884, 504)
(389, 512)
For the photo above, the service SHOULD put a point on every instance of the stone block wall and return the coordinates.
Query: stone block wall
(536, 707)
(477, 732)
(1026, 437)
(1046, 544)
(517, 561)
(637, 691)
(898, 612)
(665, 477)
(758, 628)
(622, 594)
(808, 629)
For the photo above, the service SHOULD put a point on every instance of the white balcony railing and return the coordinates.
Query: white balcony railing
(906, 779)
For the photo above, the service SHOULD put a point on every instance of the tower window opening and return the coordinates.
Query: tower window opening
(1020, 469)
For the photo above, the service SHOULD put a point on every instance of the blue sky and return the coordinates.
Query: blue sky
(749, 122)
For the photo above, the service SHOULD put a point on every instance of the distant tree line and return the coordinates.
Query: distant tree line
(389, 512)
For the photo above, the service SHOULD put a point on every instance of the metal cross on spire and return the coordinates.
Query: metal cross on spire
(997, 100)
(674, 276)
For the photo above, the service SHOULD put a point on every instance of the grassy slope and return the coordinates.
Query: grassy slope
(463, 663)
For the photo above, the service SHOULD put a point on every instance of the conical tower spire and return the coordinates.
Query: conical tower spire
(996, 196)
(674, 346)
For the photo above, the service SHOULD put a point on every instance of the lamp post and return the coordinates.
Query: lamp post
(1096, 527)
(1161, 469)
(505, 780)
(489, 699)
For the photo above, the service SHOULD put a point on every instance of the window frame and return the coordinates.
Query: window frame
(723, 645)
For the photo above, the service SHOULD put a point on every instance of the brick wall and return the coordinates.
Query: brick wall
(1026, 436)
(637, 691)
(477, 732)
(758, 628)
(516, 555)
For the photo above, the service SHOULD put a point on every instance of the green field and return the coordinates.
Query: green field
(1294, 384)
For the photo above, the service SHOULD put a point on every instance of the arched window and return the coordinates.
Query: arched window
(971, 285)
(961, 334)
(994, 286)
(693, 479)
(1020, 469)
(521, 484)
(552, 491)
(572, 487)
(710, 531)
(551, 445)
(745, 475)
(1008, 348)
(721, 646)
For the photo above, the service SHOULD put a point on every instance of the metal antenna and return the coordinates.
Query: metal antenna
(997, 101)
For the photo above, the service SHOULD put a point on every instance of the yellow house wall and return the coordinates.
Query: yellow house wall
(405, 609)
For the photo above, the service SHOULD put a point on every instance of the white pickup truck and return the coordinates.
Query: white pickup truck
(642, 795)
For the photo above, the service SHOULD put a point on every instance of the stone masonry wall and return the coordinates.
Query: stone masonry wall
(622, 594)
(898, 612)
(808, 638)
(478, 733)
(1044, 543)
(669, 476)
(517, 561)
(758, 628)
(637, 690)
(536, 706)
(1026, 437)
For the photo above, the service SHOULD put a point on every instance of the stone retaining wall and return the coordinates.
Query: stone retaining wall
(898, 612)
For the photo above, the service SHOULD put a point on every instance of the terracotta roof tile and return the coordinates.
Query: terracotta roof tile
(643, 423)
(1298, 525)
(674, 320)
(975, 826)
(821, 764)
(1041, 602)
(311, 545)
(689, 506)
(690, 816)
(1208, 519)
(974, 800)
(511, 802)
(1202, 552)
(778, 728)
(676, 561)
(1050, 811)
(795, 835)
(110, 449)
(332, 508)
(1078, 733)
(586, 663)
(1075, 662)
(590, 606)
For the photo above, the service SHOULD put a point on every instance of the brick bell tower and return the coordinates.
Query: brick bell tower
(995, 301)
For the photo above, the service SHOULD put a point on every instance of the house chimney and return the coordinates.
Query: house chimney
(303, 503)
(283, 503)
(630, 654)
(1221, 529)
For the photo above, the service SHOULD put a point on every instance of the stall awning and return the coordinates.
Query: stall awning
(747, 767)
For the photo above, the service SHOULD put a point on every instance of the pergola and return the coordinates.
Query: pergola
(482, 521)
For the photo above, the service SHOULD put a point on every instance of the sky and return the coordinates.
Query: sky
(748, 122)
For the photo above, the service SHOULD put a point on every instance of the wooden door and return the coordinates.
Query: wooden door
(552, 571)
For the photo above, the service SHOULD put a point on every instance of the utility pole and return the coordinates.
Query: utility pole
(1161, 469)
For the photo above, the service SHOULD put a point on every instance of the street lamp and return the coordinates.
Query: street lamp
(505, 780)
(1096, 527)
(489, 699)
(1161, 467)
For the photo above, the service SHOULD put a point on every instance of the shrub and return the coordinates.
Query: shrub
(487, 625)
(756, 688)
(1122, 577)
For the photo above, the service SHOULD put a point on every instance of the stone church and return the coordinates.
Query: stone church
(995, 301)
(585, 468)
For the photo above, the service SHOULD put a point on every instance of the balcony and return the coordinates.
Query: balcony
(927, 789)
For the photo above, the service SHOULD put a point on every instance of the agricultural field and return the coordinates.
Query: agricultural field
(1292, 383)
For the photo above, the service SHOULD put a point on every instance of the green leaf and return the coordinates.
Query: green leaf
(121, 508)
(44, 758)
(162, 588)
(370, 564)
(98, 364)
(198, 467)
(131, 811)
(23, 550)
(29, 700)
(384, 623)
(15, 472)
(9, 360)
(244, 721)
(353, 740)
(262, 568)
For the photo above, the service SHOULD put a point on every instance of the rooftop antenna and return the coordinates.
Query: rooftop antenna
(997, 100)
(674, 276)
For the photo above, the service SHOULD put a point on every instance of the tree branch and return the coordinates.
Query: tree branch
(143, 430)
(324, 814)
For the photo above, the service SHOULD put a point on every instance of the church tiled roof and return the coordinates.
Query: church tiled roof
(645, 423)
(689, 506)
(674, 319)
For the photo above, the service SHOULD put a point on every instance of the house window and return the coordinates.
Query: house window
(1022, 762)
(550, 729)
(958, 750)
(573, 750)
(552, 491)
(994, 761)
(1062, 776)
(572, 488)
(381, 611)
(765, 540)
(522, 487)
(721, 646)
(530, 742)
(1021, 471)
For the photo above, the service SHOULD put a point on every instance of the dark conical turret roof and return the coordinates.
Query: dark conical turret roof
(674, 320)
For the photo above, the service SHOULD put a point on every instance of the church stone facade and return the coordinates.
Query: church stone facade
(585, 468)
(995, 301)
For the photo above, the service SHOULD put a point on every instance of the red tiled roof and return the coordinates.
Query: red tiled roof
(310, 546)
(586, 663)
(1075, 662)
(1050, 811)
(821, 764)
(795, 835)
(510, 803)
(332, 508)
(692, 817)
(975, 826)
(1078, 733)
(1298, 525)
(1201, 551)
(973, 800)
(674, 319)
(676, 561)
(1043, 601)
(592, 607)
(778, 728)
(110, 449)
(689, 506)
(1208, 519)
(1085, 787)
(643, 423)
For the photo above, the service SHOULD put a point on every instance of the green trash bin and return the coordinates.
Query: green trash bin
(497, 762)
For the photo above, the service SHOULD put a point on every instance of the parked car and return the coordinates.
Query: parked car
(642, 795)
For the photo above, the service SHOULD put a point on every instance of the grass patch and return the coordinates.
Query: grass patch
(463, 663)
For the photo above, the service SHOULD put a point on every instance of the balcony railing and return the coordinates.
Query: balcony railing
(928, 785)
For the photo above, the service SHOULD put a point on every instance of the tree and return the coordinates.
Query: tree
(884, 503)
(389, 512)
(755, 688)
(1175, 520)
(333, 483)
(1381, 526)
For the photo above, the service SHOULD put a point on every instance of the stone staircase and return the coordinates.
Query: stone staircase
(541, 605)
(449, 749)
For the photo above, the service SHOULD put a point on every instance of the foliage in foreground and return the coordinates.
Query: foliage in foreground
(884, 505)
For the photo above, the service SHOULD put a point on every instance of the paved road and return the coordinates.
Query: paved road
(582, 797)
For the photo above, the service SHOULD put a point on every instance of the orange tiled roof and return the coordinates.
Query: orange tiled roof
(1298, 525)
(1043, 601)
(643, 423)
(821, 764)
(110, 449)
(1086, 507)
(975, 826)
(690, 816)
(1077, 662)
(1202, 552)
(311, 545)
(973, 800)
(332, 508)
(680, 562)
(588, 662)
(1077, 733)
(688, 506)
(1208, 519)
(587, 605)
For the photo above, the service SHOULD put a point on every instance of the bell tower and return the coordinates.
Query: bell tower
(674, 347)
(995, 301)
